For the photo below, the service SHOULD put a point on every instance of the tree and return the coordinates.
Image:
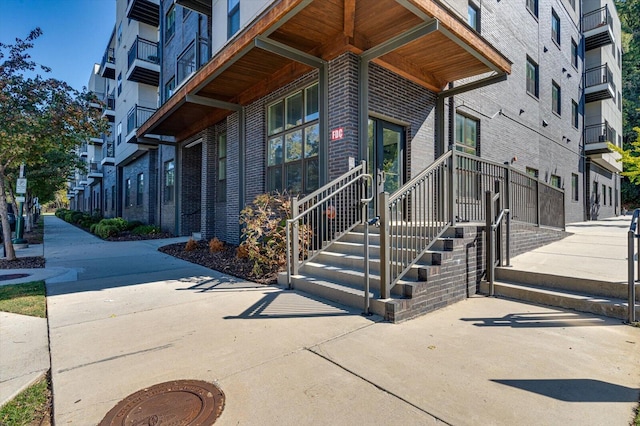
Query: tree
(38, 118)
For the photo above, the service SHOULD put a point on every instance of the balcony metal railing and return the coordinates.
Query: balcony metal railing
(599, 75)
(137, 116)
(108, 150)
(144, 50)
(109, 101)
(597, 18)
(109, 57)
(599, 133)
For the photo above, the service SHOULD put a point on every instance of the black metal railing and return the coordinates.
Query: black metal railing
(597, 133)
(598, 18)
(137, 116)
(109, 57)
(109, 101)
(108, 150)
(144, 50)
(599, 75)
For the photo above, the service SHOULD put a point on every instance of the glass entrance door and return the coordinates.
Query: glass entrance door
(386, 156)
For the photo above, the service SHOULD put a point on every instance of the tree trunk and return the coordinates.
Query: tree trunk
(28, 209)
(4, 218)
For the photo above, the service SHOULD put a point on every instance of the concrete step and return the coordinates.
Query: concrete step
(356, 263)
(606, 306)
(338, 293)
(617, 290)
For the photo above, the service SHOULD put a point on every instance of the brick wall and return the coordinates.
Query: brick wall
(190, 192)
(146, 210)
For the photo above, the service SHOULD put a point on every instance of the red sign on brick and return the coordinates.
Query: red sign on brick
(337, 134)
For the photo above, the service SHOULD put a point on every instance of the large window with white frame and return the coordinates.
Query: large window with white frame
(293, 142)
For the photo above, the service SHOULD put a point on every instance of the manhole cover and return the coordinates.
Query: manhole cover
(8, 277)
(181, 402)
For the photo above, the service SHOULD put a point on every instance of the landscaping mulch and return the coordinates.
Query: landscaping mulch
(22, 263)
(128, 236)
(224, 261)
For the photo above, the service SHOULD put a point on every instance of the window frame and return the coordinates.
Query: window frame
(555, 181)
(556, 98)
(139, 189)
(127, 193)
(194, 63)
(170, 23)
(476, 14)
(556, 34)
(293, 142)
(169, 87)
(574, 54)
(169, 181)
(221, 187)
(532, 3)
(531, 64)
(575, 114)
(233, 17)
(461, 145)
(575, 193)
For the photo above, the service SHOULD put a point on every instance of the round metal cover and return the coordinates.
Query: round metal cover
(180, 402)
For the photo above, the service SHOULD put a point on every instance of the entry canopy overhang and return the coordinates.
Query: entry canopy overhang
(420, 40)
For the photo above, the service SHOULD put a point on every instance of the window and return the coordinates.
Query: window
(139, 189)
(119, 83)
(127, 193)
(186, 63)
(619, 101)
(573, 4)
(113, 197)
(293, 142)
(532, 5)
(119, 33)
(610, 197)
(555, 27)
(532, 77)
(168, 88)
(119, 132)
(574, 187)
(555, 181)
(574, 53)
(106, 199)
(532, 172)
(619, 59)
(170, 23)
(574, 114)
(604, 194)
(473, 17)
(221, 193)
(556, 98)
(233, 17)
(467, 134)
(169, 180)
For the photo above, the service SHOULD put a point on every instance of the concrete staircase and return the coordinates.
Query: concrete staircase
(584, 295)
(337, 274)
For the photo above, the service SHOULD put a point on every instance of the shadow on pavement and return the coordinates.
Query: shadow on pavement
(542, 319)
(575, 390)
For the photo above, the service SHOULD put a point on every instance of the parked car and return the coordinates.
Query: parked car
(12, 218)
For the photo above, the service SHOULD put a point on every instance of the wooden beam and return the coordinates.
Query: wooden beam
(349, 18)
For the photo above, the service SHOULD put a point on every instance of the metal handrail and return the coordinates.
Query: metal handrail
(493, 228)
(632, 236)
(316, 217)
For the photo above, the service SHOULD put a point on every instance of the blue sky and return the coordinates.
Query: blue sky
(75, 33)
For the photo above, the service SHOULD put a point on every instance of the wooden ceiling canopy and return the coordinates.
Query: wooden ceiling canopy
(243, 72)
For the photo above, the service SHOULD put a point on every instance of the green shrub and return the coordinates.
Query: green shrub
(264, 232)
(146, 230)
(105, 231)
(133, 225)
(68, 216)
(76, 217)
(92, 228)
(60, 213)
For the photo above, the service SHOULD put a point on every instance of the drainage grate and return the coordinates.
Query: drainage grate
(8, 277)
(180, 402)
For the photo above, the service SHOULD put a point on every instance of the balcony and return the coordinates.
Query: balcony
(200, 6)
(136, 118)
(82, 150)
(109, 107)
(598, 84)
(143, 62)
(145, 11)
(597, 27)
(82, 180)
(95, 170)
(108, 154)
(596, 146)
(108, 64)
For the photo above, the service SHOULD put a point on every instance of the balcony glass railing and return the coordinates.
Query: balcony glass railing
(599, 75)
(109, 101)
(144, 50)
(598, 18)
(137, 116)
(108, 150)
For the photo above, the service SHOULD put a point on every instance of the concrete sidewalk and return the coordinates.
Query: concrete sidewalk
(137, 317)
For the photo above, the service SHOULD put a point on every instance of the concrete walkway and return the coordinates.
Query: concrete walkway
(137, 317)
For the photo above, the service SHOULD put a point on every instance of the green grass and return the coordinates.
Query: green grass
(24, 299)
(28, 407)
